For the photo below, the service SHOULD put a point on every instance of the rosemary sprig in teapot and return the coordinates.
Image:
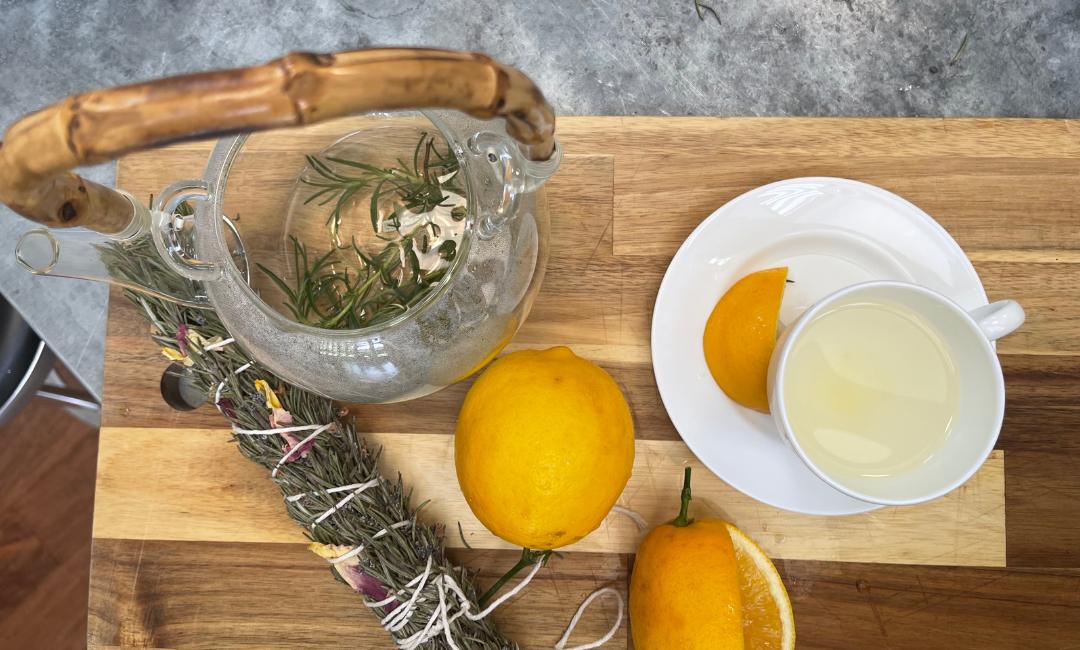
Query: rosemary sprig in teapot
(325, 292)
(418, 187)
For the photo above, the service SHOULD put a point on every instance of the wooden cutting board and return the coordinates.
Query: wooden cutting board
(192, 547)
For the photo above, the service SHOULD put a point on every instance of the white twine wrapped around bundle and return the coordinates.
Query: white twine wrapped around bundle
(453, 603)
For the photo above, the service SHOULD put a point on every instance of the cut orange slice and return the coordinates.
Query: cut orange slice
(768, 621)
(740, 336)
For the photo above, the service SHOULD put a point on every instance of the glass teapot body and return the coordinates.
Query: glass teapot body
(464, 319)
(229, 240)
(375, 267)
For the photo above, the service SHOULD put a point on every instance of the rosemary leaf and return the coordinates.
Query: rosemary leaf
(386, 283)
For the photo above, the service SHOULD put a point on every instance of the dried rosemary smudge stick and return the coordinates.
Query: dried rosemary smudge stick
(315, 475)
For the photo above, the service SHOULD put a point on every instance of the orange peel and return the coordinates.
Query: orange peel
(740, 336)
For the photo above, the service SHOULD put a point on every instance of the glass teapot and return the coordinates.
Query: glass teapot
(368, 258)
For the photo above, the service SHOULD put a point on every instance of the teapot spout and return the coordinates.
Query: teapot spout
(128, 259)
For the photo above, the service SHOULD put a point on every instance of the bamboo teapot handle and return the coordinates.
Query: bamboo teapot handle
(41, 148)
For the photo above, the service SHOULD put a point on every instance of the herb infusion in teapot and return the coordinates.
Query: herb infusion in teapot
(393, 227)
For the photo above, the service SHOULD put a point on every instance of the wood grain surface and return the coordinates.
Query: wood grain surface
(192, 549)
(966, 527)
(46, 501)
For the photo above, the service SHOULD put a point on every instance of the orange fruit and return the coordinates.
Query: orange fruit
(684, 592)
(544, 446)
(740, 336)
(768, 621)
(703, 584)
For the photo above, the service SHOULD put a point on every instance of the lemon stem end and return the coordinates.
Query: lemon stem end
(684, 506)
(528, 558)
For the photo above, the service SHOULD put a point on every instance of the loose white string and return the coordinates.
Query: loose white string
(446, 621)
(340, 504)
(434, 624)
(355, 486)
(501, 599)
(430, 630)
(221, 384)
(385, 601)
(426, 634)
(399, 618)
(343, 488)
(341, 558)
(440, 621)
(635, 517)
(561, 645)
(386, 531)
(219, 344)
(297, 447)
(274, 432)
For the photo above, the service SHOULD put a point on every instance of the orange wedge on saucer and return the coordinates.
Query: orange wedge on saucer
(740, 336)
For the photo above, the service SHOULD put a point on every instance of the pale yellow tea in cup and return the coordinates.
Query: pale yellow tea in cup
(870, 390)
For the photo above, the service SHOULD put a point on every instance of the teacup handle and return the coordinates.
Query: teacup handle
(998, 318)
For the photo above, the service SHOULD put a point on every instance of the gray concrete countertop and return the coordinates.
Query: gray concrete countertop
(608, 57)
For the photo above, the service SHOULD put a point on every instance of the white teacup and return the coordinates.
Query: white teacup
(980, 393)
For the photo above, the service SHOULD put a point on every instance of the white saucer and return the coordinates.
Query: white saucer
(830, 233)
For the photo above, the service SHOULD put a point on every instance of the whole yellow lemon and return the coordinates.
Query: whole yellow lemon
(543, 448)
